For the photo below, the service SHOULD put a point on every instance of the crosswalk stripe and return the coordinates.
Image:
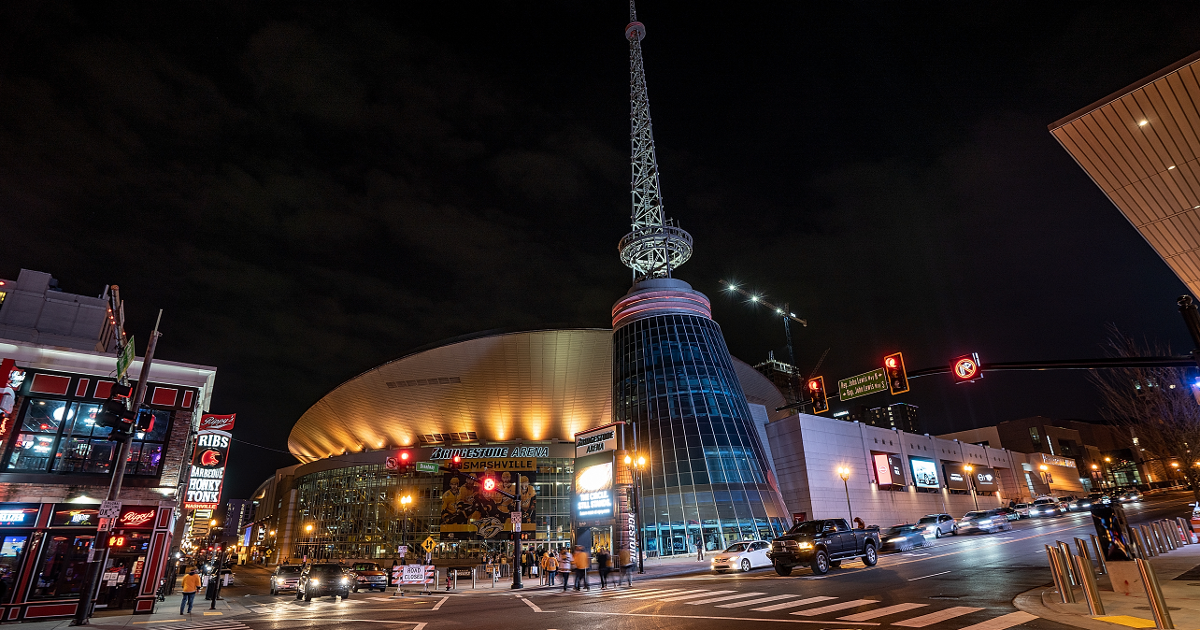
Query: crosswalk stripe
(693, 595)
(657, 595)
(793, 603)
(854, 603)
(1003, 621)
(881, 612)
(726, 597)
(654, 591)
(756, 601)
(934, 617)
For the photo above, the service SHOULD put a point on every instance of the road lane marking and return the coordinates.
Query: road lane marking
(655, 591)
(854, 603)
(439, 604)
(935, 617)
(794, 603)
(756, 601)
(621, 614)
(927, 576)
(159, 621)
(1003, 621)
(677, 598)
(528, 603)
(1126, 620)
(657, 595)
(727, 597)
(882, 612)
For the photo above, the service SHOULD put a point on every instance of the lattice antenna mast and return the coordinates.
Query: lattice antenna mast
(655, 245)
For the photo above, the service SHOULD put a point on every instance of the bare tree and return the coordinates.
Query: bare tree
(1156, 404)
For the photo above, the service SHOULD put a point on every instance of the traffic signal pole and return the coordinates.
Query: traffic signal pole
(99, 552)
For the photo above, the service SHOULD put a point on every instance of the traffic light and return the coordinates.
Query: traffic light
(114, 413)
(455, 463)
(893, 365)
(489, 482)
(145, 421)
(966, 368)
(816, 390)
(406, 463)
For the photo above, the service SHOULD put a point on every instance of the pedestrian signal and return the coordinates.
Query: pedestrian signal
(893, 365)
(816, 391)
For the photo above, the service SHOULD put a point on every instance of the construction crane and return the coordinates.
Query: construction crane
(785, 313)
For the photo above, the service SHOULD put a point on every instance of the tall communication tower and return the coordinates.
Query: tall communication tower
(655, 245)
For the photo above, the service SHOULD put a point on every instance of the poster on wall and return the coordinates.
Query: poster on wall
(208, 462)
(924, 473)
(986, 479)
(889, 469)
(956, 477)
(469, 513)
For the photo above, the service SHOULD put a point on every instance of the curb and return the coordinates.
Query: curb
(1031, 602)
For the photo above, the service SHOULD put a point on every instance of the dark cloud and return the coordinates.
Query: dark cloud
(311, 189)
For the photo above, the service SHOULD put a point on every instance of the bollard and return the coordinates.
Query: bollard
(472, 578)
(1167, 537)
(1100, 561)
(1158, 605)
(1159, 543)
(1068, 565)
(1084, 551)
(1052, 558)
(1183, 531)
(1091, 590)
(1146, 548)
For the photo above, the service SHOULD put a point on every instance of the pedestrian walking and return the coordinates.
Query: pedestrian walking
(549, 568)
(602, 567)
(626, 561)
(699, 549)
(581, 562)
(191, 586)
(564, 567)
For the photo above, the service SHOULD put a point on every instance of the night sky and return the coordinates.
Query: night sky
(311, 189)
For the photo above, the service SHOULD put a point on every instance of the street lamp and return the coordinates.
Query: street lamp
(844, 473)
(969, 468)
(405, 502)
(638, 465)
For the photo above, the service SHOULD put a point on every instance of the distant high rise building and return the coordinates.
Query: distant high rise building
(238, 512)
(708, 481)
(902, 416)
(785, 376)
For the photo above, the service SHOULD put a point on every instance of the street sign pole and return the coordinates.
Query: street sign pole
(91, 576)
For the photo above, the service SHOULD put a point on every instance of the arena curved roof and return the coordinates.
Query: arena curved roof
(537, 385)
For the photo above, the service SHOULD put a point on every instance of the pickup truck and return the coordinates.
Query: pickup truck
(822, 544)
(370, 576)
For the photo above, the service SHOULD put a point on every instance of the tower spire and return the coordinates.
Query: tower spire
(655, 245)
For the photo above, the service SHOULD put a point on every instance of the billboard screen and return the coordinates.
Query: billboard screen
(208, 462)
(986, 479)
(594, 498)
(956, 477)
(468, 513)
(924, 473)
(889, 469)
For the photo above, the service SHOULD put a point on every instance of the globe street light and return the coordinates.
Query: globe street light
(969, 468)
(638, 465)
(844, 473)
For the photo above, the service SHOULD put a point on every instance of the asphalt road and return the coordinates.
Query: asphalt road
(955, 583)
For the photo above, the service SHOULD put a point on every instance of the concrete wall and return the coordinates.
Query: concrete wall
(808, 450)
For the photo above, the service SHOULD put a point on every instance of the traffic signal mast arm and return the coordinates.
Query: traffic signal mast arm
(1071, 364)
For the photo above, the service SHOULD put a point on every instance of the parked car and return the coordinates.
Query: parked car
(902, 537)
(370, 576)
(822, 544)
(990, 521)
(323, 579)
(1045, 507)
(938, 524)
(742, 555)
(1132, 496)
(1022, 509)
(285, 578)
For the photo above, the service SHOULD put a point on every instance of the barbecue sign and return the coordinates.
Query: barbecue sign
(208, 462)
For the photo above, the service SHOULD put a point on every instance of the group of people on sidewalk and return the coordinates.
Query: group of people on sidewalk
(566, 564)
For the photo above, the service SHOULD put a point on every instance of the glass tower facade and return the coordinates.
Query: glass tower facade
(674, 382)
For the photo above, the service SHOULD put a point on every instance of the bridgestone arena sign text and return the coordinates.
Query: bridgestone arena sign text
(208, 462)
(496, 452)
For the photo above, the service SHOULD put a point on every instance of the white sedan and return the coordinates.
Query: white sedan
(742, 555)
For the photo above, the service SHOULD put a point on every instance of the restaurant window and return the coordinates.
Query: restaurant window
(12, 548)
(63, 437)
(63, 563)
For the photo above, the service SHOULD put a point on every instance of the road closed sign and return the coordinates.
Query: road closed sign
(413, 574)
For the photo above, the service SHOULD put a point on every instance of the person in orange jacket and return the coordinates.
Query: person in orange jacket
(580, 563)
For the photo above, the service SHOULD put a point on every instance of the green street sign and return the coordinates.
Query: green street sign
(431, 467)
(125, 359)
(872, 382)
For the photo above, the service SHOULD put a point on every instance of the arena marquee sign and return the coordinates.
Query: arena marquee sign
(490, 452)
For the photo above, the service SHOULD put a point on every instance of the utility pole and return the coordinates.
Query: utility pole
(99, 552)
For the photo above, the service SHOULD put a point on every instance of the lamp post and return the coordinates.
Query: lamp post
(1095, 470)
(1112, 478)
(405, 502)
(971, 477)
(637, 465)
(844, 473)
(311, 541)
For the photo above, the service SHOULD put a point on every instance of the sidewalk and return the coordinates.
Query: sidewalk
(1182, 597)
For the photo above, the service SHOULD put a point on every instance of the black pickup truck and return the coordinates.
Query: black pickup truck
(822, 544)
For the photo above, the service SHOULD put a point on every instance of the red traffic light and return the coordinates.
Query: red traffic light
(404, 456)
(897, 377)
(816, 388)
(966, 368)
(890, 362)
(457, 459)
(489, 484)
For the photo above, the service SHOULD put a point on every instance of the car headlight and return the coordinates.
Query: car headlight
(344, 580)
(891, 540)
(805, 545)
(314, 581)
